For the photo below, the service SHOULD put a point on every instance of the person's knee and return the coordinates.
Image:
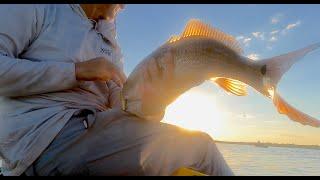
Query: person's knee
(194, 145)
(201, 139)
(192, 150)
(204, 137)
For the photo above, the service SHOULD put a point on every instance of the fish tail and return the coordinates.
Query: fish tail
(272, 70)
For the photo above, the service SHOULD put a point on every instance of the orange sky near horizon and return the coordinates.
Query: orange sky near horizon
(201, 110)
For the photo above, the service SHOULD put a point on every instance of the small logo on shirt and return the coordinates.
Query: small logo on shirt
(106, 51)
(3, 54)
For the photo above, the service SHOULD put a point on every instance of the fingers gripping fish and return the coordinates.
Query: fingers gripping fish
(202, 53)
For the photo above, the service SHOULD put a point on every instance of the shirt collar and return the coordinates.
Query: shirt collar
(78, 9)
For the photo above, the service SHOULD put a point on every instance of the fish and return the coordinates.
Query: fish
(205, 53)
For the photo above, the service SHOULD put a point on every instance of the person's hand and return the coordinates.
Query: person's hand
(99, 69)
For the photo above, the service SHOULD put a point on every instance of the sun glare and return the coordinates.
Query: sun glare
(196, 110)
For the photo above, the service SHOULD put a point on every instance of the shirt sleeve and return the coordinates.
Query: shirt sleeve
(19, 26)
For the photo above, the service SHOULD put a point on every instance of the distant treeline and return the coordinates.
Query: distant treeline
(316, 147)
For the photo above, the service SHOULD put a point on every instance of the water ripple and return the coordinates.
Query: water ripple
(248, 160)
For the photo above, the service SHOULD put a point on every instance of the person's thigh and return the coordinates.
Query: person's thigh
(121, 144)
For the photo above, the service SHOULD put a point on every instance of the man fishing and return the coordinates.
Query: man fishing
(60, 111)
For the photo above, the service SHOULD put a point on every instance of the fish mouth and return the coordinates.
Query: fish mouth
(124, 101)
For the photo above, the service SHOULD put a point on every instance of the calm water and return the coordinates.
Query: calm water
(251, 160)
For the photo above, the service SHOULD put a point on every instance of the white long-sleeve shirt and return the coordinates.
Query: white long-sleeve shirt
(39, 46)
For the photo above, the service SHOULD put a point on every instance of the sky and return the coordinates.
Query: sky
(264, 31)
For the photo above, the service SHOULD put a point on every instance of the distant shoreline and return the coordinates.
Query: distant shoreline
(265, 145)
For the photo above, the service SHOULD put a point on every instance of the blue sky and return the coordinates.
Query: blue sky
(264, 31)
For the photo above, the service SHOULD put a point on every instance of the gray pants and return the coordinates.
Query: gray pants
(120, 144)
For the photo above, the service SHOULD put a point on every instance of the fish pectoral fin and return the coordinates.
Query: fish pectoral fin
(231, 85)
(284, 108)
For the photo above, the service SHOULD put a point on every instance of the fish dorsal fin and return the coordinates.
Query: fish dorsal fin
(232, 86)
(294, 114)
(173, 38)
(197, 28)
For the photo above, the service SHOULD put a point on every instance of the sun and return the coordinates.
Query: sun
(196, 110)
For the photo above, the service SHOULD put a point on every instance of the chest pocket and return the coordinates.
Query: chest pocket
(95, 45)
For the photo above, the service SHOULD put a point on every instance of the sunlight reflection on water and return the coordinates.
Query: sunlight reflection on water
(250, 160)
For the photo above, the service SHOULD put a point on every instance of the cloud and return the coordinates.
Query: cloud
(240, 37)
(246, 41)
(291, 135)
(254, 56)
(245, 116)
(269, 47)
(258, 35)
(276, 18)
(273, 39)
(269, 36)
(290, 26)
(293, 25)
(274, 32)
(238, 116)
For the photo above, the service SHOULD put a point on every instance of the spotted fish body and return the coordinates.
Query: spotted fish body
(204, 53)
(210, 58)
